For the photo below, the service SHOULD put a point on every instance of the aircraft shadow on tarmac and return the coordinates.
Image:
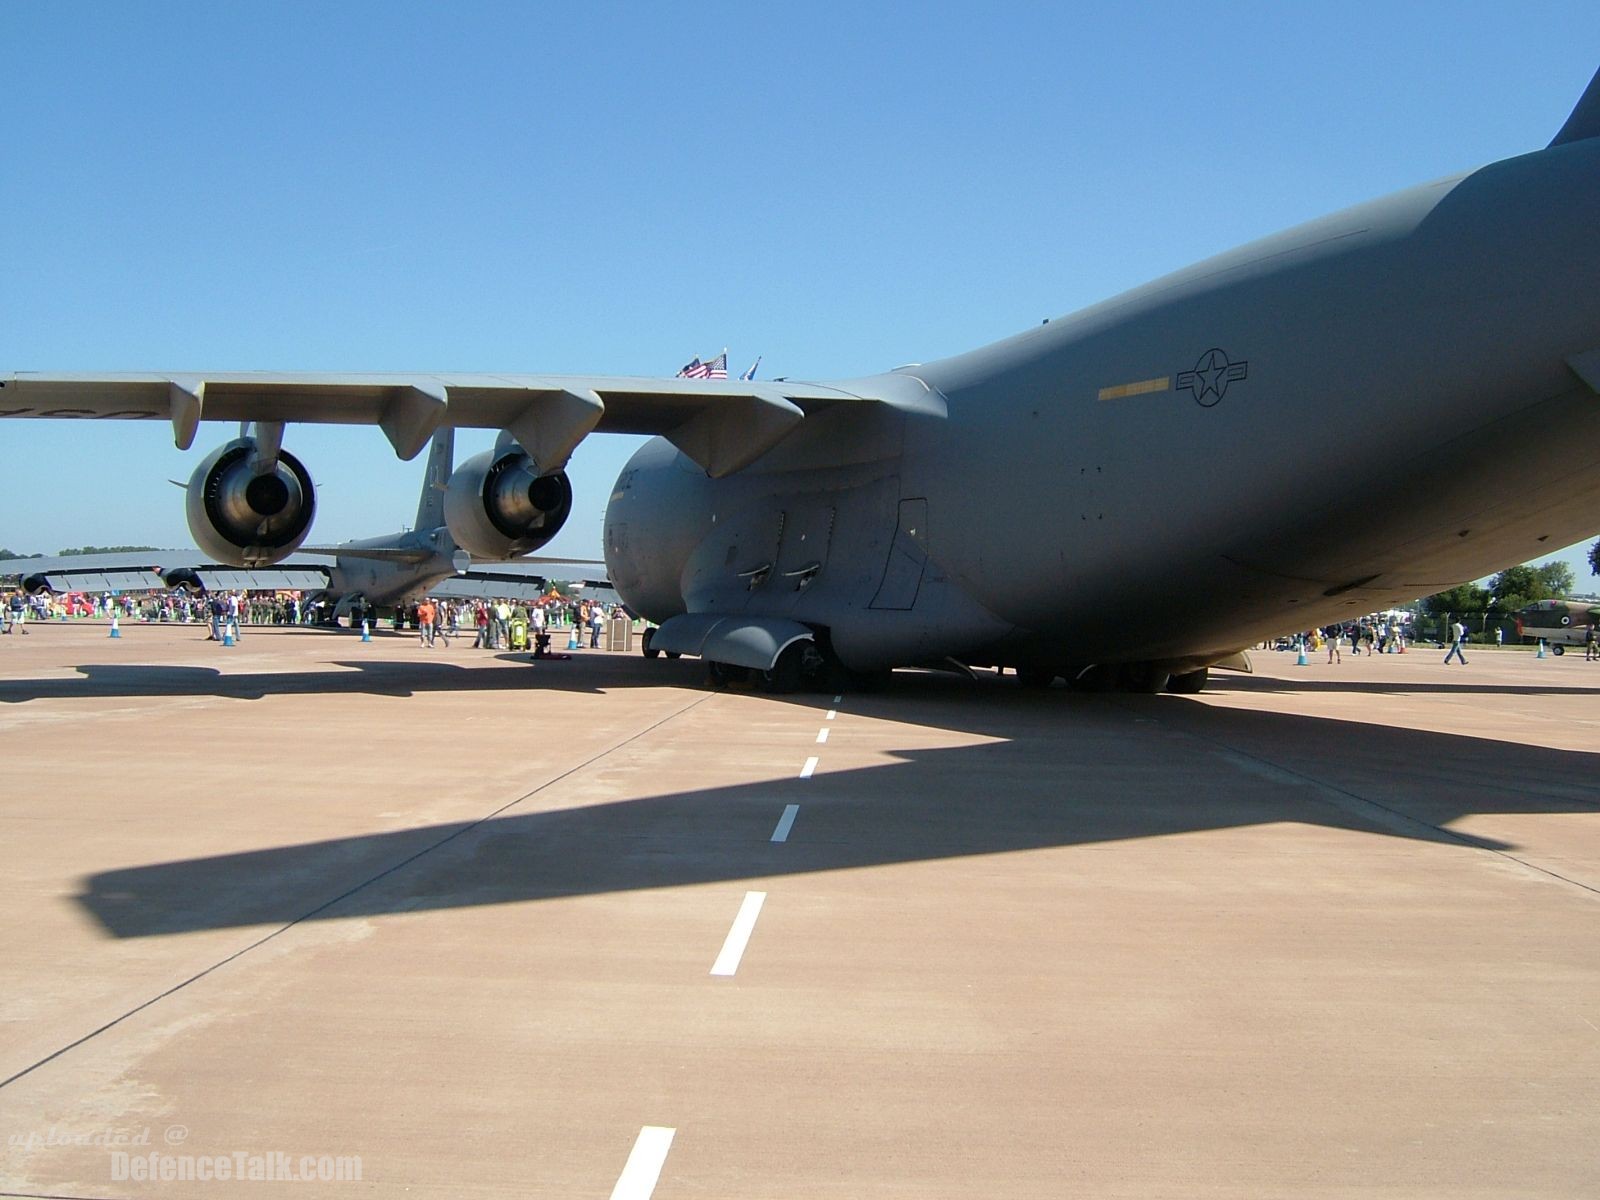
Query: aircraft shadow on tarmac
(584, 673)
(378, 677)
(1071, 770)
(1438, 687)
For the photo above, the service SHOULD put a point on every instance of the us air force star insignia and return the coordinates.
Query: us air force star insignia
(1211, 376)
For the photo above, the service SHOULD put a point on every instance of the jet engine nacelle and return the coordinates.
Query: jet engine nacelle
(497, 505)
(247, 518)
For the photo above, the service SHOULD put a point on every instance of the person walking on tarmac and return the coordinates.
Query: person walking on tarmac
(500, 627)
(1458, 634)
(1591, 644)
(427, 616)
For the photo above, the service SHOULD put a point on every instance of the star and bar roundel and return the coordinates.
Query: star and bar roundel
(1211, 376)
(1207, 382)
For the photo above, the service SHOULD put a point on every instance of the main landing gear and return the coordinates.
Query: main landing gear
(650, 651)
(1148, 678)
(802, 666)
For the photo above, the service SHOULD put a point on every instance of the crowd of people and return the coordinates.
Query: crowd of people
(177, 605)
(1376, 636)
(497, 624)
(501, 624)
(1367, 636)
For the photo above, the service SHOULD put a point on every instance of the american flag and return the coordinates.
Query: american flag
(717, 368)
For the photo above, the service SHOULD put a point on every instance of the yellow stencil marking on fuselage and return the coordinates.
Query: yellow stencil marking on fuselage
(1144, 387)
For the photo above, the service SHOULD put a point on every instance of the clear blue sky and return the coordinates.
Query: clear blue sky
(616, 188)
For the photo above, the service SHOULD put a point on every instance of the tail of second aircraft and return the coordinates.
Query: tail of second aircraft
(441, 461)
(1584, 122)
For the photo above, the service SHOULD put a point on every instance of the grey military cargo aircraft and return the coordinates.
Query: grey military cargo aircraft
(1186, 442)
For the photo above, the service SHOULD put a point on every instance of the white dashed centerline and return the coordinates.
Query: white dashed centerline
(785, 823)
(822, 735)
(649, 1155)
(739, 936)
(811, 765)
(832, 713)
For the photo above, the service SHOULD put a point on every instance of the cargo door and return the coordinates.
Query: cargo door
(908, 558)
(802, 555)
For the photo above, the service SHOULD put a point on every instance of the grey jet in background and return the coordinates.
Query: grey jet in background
(1314, 426)
(384, 572)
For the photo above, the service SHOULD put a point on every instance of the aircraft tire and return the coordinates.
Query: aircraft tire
(1149, 679)
(674, 653)
(1190, 683)
(788, 673)
(1558, 650)
(723, 674)
(644, 644)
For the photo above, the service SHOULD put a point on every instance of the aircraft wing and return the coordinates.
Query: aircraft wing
(721, 424)
(155, 570)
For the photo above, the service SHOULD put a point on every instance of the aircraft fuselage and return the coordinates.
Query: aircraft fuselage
(1350, 414)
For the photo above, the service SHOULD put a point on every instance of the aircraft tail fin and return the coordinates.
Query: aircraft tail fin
(1585, 119)
(441, 461)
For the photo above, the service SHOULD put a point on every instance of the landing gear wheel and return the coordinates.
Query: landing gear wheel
(1558, 650)
(1190, 683)
(723, 674)
(1151, 680)
(1137, 677)
(674, 653)
(1035, 677)
(788, 672)
(644, 644)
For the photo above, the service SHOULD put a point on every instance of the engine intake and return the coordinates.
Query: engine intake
(497, 505)
(244, 518)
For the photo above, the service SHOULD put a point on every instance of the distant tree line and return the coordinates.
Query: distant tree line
(73, 551)
(1512, 589)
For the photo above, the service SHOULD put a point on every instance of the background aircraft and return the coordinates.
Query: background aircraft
(380, 573)
(1188, 441)
(1560, 623)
